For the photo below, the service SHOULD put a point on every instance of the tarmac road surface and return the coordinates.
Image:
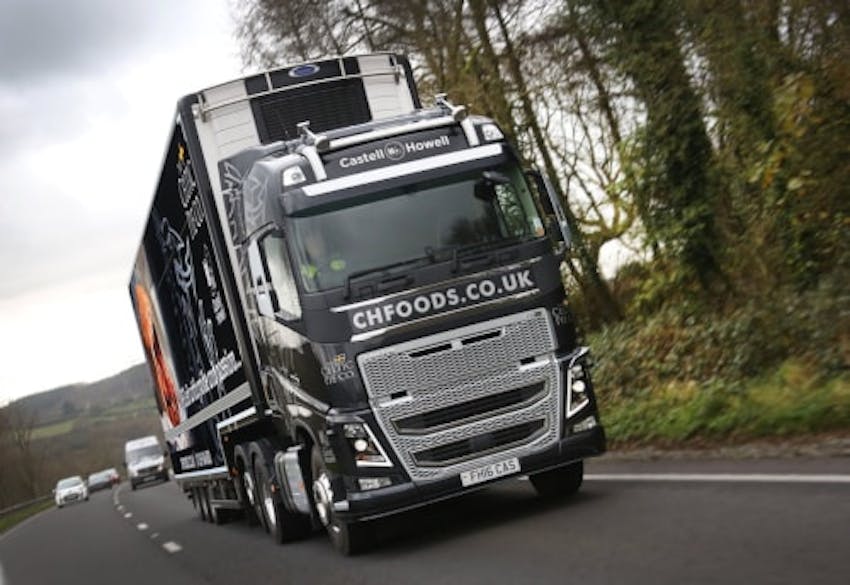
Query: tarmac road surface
(682, 522)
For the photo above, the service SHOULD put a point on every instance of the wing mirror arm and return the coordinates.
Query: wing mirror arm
(557, 224)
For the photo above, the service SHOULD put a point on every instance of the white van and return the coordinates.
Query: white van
(145, 460)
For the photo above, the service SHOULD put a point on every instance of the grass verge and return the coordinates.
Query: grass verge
(18, 516)
(790, 401)
(54, 430)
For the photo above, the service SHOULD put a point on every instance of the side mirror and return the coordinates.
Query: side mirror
(556, 221)
(485, 187)
(265, 296)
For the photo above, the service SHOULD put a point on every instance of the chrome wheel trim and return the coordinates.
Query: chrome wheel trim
(268, 504)
(249, 487)
(323, 496)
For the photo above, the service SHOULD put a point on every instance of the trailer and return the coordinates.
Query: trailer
(352, 306)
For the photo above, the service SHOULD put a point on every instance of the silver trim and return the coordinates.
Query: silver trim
(400, 170)
(251, 411)
(386, 463)
(312, 156)
(466, 371)
(229, 400)
(288, 462)
(369, 136)
(217, 472)
(468, 128)
(390, 71)
(571, 360)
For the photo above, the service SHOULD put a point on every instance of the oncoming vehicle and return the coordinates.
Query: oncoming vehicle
(145, 461)
(70, 489)
(100, 480)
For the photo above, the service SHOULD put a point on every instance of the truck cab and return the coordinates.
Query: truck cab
(408, 310)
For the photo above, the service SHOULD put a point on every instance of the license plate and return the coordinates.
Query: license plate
(488, 472)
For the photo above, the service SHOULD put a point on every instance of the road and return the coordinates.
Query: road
(783, 521)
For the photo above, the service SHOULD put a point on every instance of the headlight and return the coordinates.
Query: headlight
(576, 390)
(366, 448)
(293, 176)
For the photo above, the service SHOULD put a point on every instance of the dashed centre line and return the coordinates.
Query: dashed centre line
(142, 526)
(171, 547)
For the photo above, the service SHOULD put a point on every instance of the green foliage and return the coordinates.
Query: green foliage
(775, 365)
(793, 400)
(683, 343)
(14, 518)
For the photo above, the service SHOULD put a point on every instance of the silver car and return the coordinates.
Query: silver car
(70, 489)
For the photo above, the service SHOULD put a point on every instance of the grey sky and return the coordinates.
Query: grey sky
(87, 90)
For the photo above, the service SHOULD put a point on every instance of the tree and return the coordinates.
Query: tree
(20, 423)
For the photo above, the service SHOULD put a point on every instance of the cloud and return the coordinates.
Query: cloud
(87, 92)
(46, 39)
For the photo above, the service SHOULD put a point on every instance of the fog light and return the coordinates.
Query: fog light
(360, 445)
(578, 387)
(585, 425)
(373, 483)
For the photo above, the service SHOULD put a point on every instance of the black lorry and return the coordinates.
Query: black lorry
(352, 304)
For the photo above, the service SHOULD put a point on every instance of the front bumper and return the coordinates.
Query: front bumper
(398, 498)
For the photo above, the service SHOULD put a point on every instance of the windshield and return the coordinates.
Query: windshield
(414, 221)
(69, 482)
(142, 452)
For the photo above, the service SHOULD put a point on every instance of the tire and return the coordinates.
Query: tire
(559, 482)
(347, 538)
(280, 523)
(246, 478)
(133, 485)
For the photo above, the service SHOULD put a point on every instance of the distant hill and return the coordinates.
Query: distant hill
(76, 429)
(67, 402)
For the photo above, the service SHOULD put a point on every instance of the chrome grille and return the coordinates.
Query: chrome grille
(455, 400)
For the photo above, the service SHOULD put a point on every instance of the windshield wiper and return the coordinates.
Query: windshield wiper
(485, 249)
(399, 276)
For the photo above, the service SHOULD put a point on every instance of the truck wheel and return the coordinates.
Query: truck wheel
(348, 538)
(245, 484)
(561, 481)
(280, 523)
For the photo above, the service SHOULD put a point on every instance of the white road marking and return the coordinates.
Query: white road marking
(171, 547)
(721, 477)
(155, 535)
(128, 515)
(142, 526)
